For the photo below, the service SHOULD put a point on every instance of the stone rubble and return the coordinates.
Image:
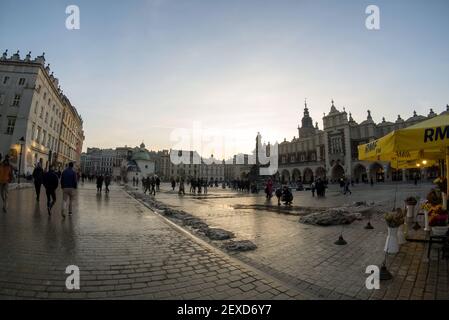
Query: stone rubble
(243, 245)
(331, 217)
(198, 225)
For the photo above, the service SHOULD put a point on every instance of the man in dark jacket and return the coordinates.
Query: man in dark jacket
(107, 182)
(69, 184)
(50, 181)
(38, 175)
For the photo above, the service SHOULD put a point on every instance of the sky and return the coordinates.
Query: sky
(158, 70)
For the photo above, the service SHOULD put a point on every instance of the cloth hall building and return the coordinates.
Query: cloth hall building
(331, 152)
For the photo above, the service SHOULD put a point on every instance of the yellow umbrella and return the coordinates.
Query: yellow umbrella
(425, 141)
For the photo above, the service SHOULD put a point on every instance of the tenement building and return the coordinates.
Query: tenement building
(37, 121)
(189, 165)
(331, 152)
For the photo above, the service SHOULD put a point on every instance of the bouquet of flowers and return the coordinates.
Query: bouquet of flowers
(411, 201)
(438, 216)
(395, 219)
(434, 198)
(441, 183)
(426, 206)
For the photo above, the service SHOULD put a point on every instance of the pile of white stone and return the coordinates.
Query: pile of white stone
(337, 216)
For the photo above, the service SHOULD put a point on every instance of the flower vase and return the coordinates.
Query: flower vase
(392, 244)
(444, 196)
(401, 234)
(410, 211)
(426, 221)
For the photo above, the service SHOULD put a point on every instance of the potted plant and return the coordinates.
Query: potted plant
(411, 203)
(438, 221)
(394, 220)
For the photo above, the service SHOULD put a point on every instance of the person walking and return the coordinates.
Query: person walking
(158, 183)
(107, 182)
(69, 184)
(278, 194)
(205, 187)
(181, 187)
(153, 186)
(347, 187)
(6, 176)
(38, 175)
(50, 181)
(173, 184)
(269, 189)
(146, 184)
(313, 188)
(99, 183)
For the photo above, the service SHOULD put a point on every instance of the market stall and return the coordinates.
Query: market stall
(422, 145)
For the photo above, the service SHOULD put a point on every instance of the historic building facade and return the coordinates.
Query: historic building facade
(189, 165)
(331, 152)
(37, 121)
(138, 164)
(104, 161)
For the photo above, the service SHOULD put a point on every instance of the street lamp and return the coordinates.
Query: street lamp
(22, 143)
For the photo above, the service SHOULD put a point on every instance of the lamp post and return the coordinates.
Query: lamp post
(21, 142)
(50, 154)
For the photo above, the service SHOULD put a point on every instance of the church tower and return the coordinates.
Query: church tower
(306, 129)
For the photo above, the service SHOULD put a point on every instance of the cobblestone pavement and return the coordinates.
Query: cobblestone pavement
(307, 257)
(123, 250)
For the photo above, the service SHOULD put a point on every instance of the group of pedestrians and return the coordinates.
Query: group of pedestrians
(200, 185)
(51, 180)
(344, 185)
(283, 193)
(319, 187)
(106, 180)
(151, 184)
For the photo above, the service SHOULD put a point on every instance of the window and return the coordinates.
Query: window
(38, 89)
(35, 107)
(11, 125)
(46, 117)
(49, 101)
(2, 98)
(6, 79)
(44, 137)
(42, 113)
(45, 95)
(336, 145)
(21, 81)
(33, 128)
(38, 138)
(16, 100)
